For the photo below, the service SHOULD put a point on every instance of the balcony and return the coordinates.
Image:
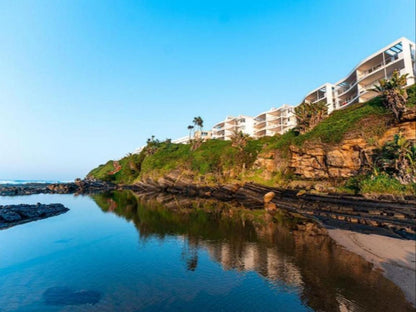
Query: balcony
(259, 124)
(388, 60)
(348, 101)
(319, 99)
(346, 88)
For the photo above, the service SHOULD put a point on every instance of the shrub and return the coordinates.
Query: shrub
(384, 184)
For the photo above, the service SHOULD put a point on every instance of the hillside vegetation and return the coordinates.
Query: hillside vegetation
(216, 161)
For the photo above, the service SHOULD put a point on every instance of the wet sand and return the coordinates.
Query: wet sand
(395, 257)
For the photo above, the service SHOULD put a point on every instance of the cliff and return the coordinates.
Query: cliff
(339, 149)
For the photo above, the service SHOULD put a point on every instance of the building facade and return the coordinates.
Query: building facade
(325, 93)
(224, 130)
(357, 86)
(275, 121)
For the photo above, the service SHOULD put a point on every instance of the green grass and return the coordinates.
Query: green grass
(384, 184)
(411, 93)
(101, 172)
(334, 128)
(130, 169)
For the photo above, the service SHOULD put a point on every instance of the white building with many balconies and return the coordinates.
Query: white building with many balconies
(275, 121)
(325, 93)
(224, 130)
(357, 85)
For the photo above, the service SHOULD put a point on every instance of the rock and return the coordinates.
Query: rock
(15, 214)
(316, 160)
(268, 197)
(9, 216)
(79, 186)
(301, 192)
(270, 207)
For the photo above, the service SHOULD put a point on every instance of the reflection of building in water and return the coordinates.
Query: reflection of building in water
(256, 257)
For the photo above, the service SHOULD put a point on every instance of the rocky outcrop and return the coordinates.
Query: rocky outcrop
(347, 159)
(320, 161)
(388, 217)
(77, 187)
(11, 215)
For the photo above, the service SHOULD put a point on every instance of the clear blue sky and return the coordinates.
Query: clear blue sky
(82, 82)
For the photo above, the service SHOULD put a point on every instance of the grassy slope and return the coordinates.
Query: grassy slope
(215, 157)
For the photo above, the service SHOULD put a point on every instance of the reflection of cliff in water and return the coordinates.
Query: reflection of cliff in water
(328, 277)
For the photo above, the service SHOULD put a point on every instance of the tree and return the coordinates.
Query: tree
(152, 145)
(394, 94)
(190, 131)
(198, 122)
(308, 115)
(398, 159)
(239, 140)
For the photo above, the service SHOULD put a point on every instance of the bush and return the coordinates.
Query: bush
(411, 93)
(384, 184)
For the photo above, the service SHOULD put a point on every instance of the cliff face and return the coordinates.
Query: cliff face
(315, 160)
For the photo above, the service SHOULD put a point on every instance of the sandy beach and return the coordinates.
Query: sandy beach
(395, 257)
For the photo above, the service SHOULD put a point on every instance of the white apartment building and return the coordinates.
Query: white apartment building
(357, 85)
(182, 140)
(204, 135)
(224, 130)
(325, 93)
(275, 121)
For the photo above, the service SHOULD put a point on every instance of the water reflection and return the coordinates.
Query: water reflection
(282, 248)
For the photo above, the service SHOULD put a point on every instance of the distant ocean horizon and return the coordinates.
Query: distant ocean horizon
(9, 181)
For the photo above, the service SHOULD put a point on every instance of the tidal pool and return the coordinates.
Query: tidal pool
(123, 252)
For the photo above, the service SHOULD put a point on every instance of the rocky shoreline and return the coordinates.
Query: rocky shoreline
(11, 215)
(395, 218)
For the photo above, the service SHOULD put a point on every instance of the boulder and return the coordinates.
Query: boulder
(268, 197)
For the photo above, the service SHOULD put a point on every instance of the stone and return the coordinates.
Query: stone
(268, 197)
(15, 214)
(270, 207)
(9, 215)
(301, 192)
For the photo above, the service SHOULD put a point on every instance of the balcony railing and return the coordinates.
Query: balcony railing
(346, 88)
(348, 100)
(319, 99)
(376, 67)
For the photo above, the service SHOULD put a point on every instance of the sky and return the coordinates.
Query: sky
(82, 82)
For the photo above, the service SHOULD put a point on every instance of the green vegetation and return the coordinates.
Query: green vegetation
(393, 172)
(334, 128)
(393, 93)
(411, 96)
(130, 167)
(383, 184)
(308, 115)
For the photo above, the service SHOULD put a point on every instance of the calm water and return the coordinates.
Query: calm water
(117, 252)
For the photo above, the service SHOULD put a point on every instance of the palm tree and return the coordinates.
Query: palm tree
(198, 122)
(239, 140)
(190, 127)
(302, 115)
(398, 158)
(308, 115)
(319, 112)
(394, 94)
